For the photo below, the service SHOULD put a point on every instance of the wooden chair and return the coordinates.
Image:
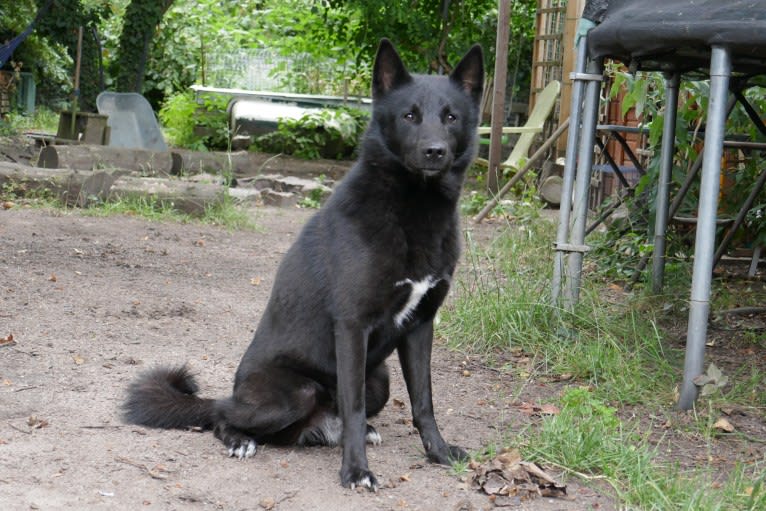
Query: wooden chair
(546, 100)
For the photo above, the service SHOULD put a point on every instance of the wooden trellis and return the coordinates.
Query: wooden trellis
(548, 51)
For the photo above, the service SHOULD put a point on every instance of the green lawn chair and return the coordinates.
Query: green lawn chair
(546, 100)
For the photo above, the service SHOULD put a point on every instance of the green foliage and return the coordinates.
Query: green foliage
(43, 119)
(339, 37)
(183, 112)
(432, 35)
(503, 304)
(225, 213)
(588, 438)
(188, 32)
(315, 197)
(59, 26)
(612, 353)
(141, 20)
(646, 92)
(44, 57)
(326, 133)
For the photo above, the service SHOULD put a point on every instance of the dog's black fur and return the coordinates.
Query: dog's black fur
(365, 277)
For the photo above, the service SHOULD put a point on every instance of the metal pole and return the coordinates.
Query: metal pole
(691, 176)
(575, 114)
(699, 306)
(576, 245)
(757, 187)
(663, 188)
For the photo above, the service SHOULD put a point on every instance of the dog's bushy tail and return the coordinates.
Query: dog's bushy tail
(166, 398)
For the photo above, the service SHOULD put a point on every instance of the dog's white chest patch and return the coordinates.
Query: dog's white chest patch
(418, 289)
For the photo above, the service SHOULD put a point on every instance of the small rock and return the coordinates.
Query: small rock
(278, 199)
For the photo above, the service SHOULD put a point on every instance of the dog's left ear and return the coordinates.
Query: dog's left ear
(469, 73)
(389, 71)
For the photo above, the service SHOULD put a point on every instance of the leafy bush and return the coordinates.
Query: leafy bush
(199, 124)
(327, 133)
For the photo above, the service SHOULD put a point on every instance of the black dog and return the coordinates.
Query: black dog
(365, 277)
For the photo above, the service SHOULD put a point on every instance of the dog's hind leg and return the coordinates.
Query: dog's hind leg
(376, 396)
(325, 427)
(264, 406)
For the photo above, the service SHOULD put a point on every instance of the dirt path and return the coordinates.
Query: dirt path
(90, 302)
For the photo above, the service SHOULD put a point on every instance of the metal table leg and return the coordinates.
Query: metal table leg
(699, 306)
(584, 168)
(663, 187)
(570, 162)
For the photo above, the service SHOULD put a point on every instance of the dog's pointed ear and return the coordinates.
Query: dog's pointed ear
(469, 73)
(389, 71)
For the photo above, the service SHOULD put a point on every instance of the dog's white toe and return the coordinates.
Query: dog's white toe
(244, 451)
(373, 438)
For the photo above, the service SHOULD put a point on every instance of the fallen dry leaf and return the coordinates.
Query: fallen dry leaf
(509, 457)
(538, 410)
(53, 277)
(508, 480)
(723, 425)
(405, 478)
(267, 503)
(255, 281)
(78, 360)
(8, 204)
(7, 341)
(398, 403)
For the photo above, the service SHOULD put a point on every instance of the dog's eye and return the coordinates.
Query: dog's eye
(410, 116)
(451, 118)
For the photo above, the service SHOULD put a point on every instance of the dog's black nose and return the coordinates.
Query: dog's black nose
(435, 152)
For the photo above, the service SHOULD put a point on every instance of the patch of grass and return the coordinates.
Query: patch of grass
(44, 119)
(611, 346)
(588, 439)
(504, 303)
(29, 195)
(225, 214)
(144, 207)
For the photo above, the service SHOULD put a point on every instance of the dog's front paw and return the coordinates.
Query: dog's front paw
(447, 455)
(242, 449)
(351, 478)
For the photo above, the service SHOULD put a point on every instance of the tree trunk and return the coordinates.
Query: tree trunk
(141, 20)
(84, 187)
(73, 187)
(90, 157)
(248, 164)
(184, 196)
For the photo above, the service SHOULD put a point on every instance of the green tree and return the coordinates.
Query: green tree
(60, 26)
(46, 59)
(141, 20)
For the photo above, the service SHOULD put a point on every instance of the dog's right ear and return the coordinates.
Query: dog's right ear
(389, 71)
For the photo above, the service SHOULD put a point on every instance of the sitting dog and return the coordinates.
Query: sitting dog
(364, 278)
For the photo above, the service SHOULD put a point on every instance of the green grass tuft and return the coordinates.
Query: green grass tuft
(611, 347)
